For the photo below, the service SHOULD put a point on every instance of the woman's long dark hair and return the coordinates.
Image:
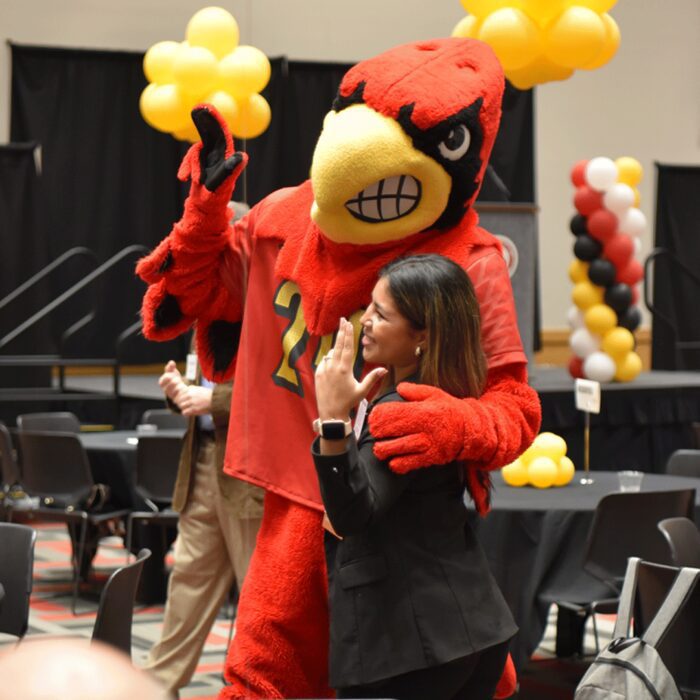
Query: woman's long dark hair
(436, 295)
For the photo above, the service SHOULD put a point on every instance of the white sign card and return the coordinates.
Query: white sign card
(587, 394)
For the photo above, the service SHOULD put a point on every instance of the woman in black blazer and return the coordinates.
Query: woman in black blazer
(415, 611)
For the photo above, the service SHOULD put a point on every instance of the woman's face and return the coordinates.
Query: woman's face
(388, 338)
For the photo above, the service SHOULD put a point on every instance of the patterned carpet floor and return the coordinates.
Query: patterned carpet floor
(544, 678)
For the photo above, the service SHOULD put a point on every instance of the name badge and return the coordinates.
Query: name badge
(191, 367)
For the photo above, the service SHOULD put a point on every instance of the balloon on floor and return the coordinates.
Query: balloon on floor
(208, 66)
(538, 41)
(605, 271)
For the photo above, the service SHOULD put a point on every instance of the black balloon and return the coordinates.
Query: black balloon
(630, 319)
(587, 248)
(578, 225)
(619, 297)
(601, 272)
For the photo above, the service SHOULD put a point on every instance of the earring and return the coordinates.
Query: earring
(419, 352)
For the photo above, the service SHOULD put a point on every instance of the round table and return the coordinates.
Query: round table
(112, 458)
(534, 537)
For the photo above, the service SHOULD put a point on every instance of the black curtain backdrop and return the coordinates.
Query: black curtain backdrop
(109, 180)
(675, 294)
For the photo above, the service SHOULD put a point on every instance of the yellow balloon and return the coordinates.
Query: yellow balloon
(225, 104)
(163, 108)
(575, 38)
(587, 294)
(215, 29)
(610, 46)
(190, 134)
(549, 445)
(539, 71)
(542, 472)
(565, 472)
(578, 271)
(467, 27)
(598, 6)
(158, 62)
(628, 367)
(515, 473)
(253, 117)
(600, 318)
(542, 11)
(618, 342)
(486, 7)
(637, 197)
(629, 171)
(513, 36)
(195, 69)
(244, 72)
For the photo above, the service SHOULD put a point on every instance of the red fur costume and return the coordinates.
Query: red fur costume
(396, 170)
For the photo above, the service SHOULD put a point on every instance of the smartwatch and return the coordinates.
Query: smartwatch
(332, 429)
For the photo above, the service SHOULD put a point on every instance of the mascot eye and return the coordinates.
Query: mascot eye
(456, 144)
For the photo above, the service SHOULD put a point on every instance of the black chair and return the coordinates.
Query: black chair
(696, 435)
(165, 419)
(55, 470)
(157, 460)
(55, 421)
(9, 471)
(624, 525)
(684, 463)
(683, 540)
(116, 610)
(9, 467)
(680, 647)
(16, 564)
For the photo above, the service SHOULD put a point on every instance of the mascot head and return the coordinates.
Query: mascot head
(407, 142)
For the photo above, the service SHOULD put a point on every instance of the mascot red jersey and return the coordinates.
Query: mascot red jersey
(395, 172)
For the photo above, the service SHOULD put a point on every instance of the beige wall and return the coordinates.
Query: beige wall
(645, 103)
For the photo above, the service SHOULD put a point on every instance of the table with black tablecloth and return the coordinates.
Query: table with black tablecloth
(112, 458)
(534, 538)
(640, 423)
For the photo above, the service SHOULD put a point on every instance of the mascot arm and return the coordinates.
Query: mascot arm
(186, 273)
(433, 427)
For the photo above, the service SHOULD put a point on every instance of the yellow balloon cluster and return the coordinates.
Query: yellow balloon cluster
(538, 41)
(542, 465)
(209, 66)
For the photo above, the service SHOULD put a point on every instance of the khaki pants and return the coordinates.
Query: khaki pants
(213, 546)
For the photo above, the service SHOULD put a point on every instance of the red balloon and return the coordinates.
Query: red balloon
(587, 200)
(602, 225)
(578, 173)
(576, 367)
(630, 273)
(635, 295)
(619, 250)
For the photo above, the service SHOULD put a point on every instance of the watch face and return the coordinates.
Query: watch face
(333, 429)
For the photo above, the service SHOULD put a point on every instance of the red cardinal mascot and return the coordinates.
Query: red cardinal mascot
(396, 170)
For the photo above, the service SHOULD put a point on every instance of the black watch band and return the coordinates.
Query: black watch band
(332, 429)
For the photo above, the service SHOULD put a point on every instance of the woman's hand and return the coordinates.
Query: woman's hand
(337, 390)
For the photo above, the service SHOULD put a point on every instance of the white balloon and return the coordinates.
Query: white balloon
(582, 342)
(637, 247)
(575, 318)
(599, 367)
(634, 223)
(619, 198)
(601, 173)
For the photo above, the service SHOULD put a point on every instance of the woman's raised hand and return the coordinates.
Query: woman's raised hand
(337, 390)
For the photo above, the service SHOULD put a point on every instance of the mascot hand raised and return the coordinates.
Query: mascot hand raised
(178, 271)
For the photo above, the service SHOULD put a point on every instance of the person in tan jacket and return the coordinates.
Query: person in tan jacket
(219, 521)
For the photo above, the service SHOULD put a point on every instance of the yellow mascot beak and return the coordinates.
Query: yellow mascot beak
(370, 184)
